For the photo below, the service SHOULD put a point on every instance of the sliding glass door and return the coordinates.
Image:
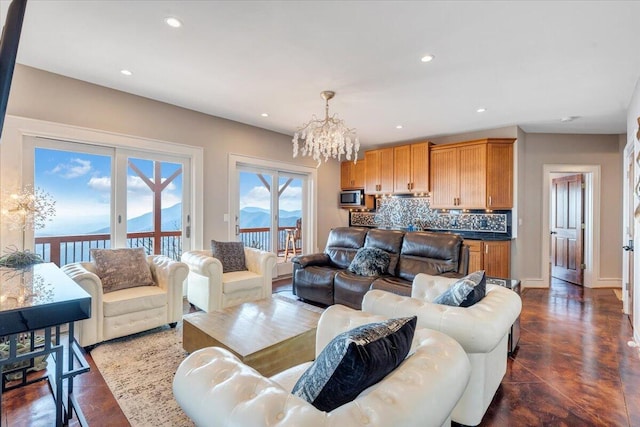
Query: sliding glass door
(271, 210)
(109, 197)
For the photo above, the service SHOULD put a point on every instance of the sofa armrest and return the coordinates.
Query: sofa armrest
(259, 261)
(201, 262)
(312, 259)
(170, 276)
(479, 328)
(88, 331)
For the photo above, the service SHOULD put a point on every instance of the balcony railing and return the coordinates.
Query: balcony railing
(63, 250)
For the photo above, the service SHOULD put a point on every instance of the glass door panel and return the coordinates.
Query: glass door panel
(254, 221)
(289, 215)
(79, 182)
(154, 206)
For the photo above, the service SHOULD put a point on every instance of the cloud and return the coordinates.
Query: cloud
(74, 169)
(101, 184)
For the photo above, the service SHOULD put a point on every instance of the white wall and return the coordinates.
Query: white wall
(45, 96)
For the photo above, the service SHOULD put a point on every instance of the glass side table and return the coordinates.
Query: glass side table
(514, 334)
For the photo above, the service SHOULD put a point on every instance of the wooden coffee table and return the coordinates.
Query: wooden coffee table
(270, 335)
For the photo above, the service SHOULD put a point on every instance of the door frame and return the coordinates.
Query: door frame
(627, 218)
(592, 181)
(18, 129)
(309, 204)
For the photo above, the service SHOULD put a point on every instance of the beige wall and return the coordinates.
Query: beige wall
(45, 96)
(547, 149)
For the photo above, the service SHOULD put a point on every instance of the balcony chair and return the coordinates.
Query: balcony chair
(134, 304)
(214, 388)
(210, 288)
(482, 329)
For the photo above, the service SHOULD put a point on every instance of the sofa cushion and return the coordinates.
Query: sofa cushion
(122, 268)
(389, 241)
(343, 243)
(133, 300)
(392, 284)
(430, 253)
(465, 292)
(230, 254)
(354, 361)
(240, 281)
(370, 262)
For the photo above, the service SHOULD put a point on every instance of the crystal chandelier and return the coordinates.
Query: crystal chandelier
(327, 138)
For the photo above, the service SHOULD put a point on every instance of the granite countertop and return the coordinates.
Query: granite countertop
(477, 235)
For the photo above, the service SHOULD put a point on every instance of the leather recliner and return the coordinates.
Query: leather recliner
(324, 278)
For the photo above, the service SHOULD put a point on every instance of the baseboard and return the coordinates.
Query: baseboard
(607, 283)
(533, 283)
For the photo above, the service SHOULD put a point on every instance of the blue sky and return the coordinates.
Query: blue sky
(81, 186)
(254, 194)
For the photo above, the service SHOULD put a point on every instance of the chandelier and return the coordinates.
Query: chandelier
(327, 138)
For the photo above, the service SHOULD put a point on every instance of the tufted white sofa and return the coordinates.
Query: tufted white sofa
(481, 329)
(215, 389)
(128, 311)
(209, 289)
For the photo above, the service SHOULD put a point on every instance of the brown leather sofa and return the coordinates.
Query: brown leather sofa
(324, 277)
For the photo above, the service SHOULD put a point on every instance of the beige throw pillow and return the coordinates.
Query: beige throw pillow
(122, 268)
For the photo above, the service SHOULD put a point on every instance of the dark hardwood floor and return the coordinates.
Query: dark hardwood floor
(573, 368)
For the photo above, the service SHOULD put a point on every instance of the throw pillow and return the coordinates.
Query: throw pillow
(370, 262)
(465, 292)
(354, 361)
(230, 254)
(122, 268)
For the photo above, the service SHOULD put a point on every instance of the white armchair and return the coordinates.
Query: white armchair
(214, 388)
(208, 288)
(481, 329)
(128, 311)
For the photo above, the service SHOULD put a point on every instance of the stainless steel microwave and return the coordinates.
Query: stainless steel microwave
(351, 198)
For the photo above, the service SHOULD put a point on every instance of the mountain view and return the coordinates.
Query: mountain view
(171, 221)
(253, 217)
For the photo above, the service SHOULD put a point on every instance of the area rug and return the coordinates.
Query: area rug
(139, 370)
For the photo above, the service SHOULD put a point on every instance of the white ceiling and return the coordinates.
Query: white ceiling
(527, 63)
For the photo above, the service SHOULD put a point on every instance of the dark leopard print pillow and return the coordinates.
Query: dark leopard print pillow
(230, 254)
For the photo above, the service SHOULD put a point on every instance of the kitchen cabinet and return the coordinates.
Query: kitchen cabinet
(352, 174)
(411, 168)
(378, 171)
(472, 175)
(492, 256)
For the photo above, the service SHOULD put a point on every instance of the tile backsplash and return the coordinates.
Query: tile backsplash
(409, 212)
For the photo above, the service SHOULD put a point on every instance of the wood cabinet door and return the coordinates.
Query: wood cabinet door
(420, 167)
(358, 173)
(371, 168)
(385, 169)
(346, 179)
(444, 178)
(500, 176)
(472, 170)
(402, 169)
(497, 258)
(475, 255)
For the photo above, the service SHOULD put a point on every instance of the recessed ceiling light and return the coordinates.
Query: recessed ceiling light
(568, 119)
(173, 22)
(481, 110)
(427, 58)
(399, 127)
(265, 114)
(126, 72)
